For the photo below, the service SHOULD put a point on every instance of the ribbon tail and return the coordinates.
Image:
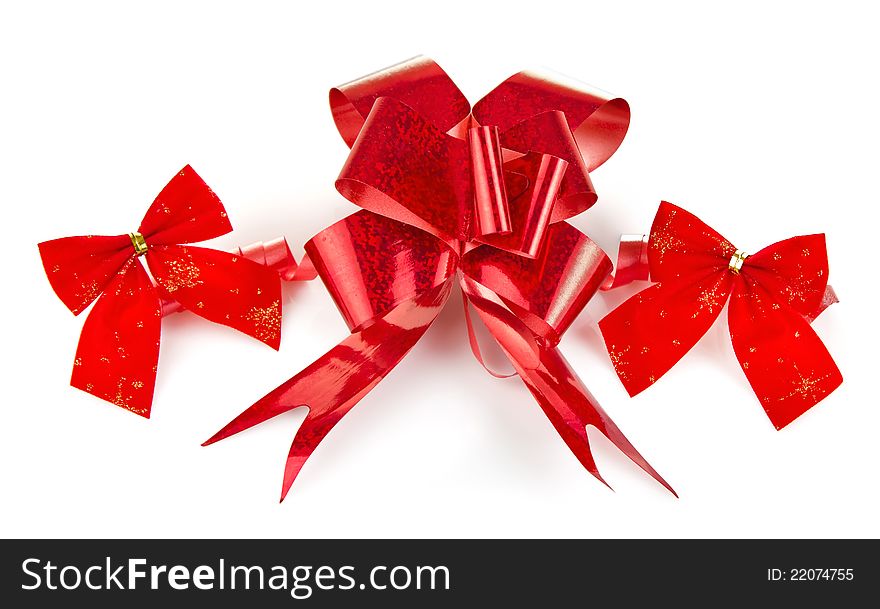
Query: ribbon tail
(571, 408)
(557, 388)
(118, 348)
(783, 358)
(222, 287)
(648, 333)
(334, 383)
(274, 254)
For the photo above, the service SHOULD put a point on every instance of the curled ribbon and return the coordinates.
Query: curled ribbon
(118, 351)
(774, 295)
(453, 196)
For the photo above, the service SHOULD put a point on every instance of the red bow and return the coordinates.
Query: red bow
(453, 197)
(776, 293)
(119, 345)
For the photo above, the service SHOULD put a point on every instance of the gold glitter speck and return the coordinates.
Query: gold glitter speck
(805, 386)
(267, 321)
(182, 273)
(89, 291)
(709, 300)
(618, 360)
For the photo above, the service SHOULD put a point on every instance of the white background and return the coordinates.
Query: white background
(761, 119)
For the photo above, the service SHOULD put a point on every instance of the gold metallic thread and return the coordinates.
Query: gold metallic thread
(138, 243)
(737, 260)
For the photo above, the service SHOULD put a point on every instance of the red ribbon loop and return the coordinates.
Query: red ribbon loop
(418, 82)
(404, 167)
(276, 255)
(775, 294)
(371, 264)
(547, 292)
(485, 208)
(118, 350)
(632, 262)
(598, 122)
(490, 194)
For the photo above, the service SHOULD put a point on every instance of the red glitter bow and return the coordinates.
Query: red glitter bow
(118, 350)
(774, 295)
(449, 196)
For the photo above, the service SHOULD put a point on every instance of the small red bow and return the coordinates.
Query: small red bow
(453, 196)
(776, 293)
(118, 350)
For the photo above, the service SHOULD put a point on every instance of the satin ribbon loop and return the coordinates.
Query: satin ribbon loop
(773, 299)
(632, 262)
(276, 255)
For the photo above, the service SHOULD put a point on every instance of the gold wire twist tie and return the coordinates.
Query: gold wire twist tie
(736, 261)
(139, 243)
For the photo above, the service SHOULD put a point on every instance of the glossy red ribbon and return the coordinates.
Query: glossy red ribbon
(774, 295)
(453, 196)
(118, 350)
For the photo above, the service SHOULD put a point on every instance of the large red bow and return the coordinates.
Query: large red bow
(451, 196)
(118, 349)
(774, 295)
